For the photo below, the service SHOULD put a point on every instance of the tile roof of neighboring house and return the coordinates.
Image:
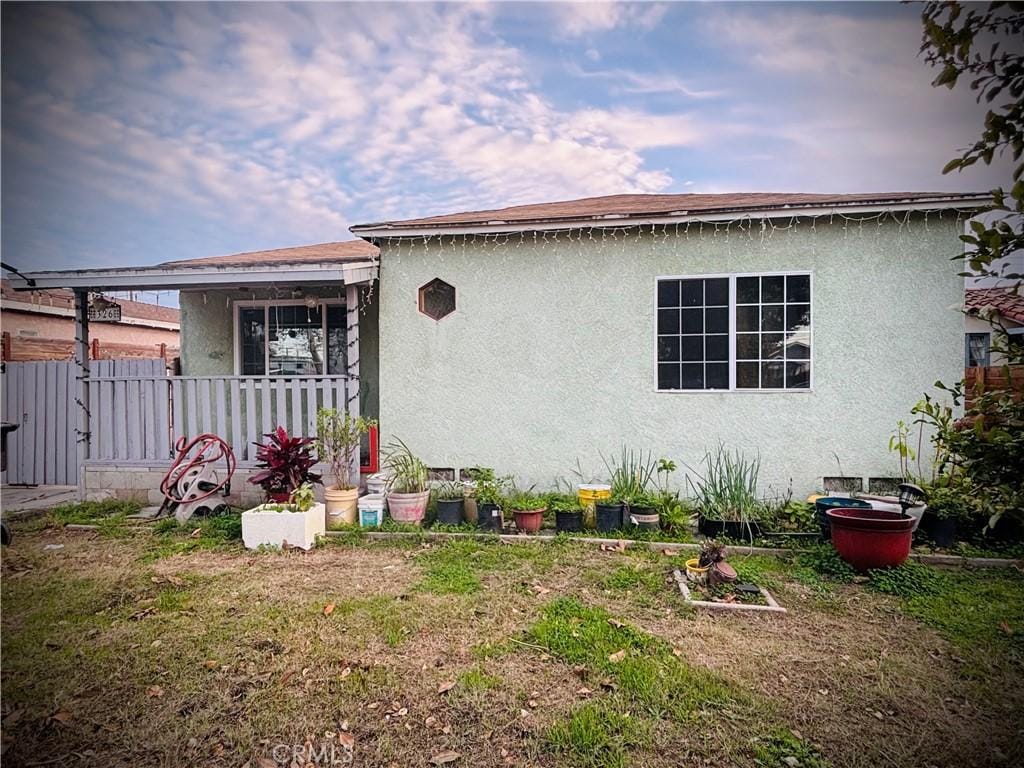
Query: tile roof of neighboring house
(1005, 301)
(626, 206)
(322, 253)
(57, 297)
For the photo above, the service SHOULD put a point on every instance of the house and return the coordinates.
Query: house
(40, 325)
(990, 312)
(800, 327)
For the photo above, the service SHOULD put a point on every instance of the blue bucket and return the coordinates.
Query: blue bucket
(825, 503)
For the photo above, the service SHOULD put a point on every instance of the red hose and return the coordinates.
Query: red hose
(183, 464)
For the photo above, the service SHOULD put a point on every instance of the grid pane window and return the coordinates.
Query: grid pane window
(693, 333)
(742, 332)
(292, 340)
(773, 332)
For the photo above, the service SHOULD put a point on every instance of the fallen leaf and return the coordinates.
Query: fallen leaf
(618, 656)
(61, 716)
(154, 691)
(430, 722)
(446, 686)
(670, 552)
(265, 762)
(616, 623)
(347, 740)
(286, 677)
(373, 705)
(524, 713)
(211, 664)
(196, 533)
(532, 703)
(677, 652)
(584, 691)
(1005, 628)
(443, 758)
(402, 712)
(878, 715)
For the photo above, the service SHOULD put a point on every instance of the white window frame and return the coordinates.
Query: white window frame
(732, 277)
(266, 304)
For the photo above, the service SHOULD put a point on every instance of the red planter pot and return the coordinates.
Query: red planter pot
(530, 520)
(280, 498)
(871, 538)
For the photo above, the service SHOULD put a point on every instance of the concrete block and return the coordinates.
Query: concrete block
(274, 529)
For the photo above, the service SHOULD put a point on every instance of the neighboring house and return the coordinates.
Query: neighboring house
(990, 312)
(798, 327)
(40, 325)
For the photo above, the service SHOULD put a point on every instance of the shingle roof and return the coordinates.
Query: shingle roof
(57, 297)
(322, 253)
(1005, 301)
(625, 206)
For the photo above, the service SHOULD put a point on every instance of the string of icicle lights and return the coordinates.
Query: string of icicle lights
(746, 229)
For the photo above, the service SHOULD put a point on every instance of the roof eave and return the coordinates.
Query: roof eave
(206, 276)
(604, 221)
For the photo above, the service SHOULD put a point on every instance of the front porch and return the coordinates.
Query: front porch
(245, 369)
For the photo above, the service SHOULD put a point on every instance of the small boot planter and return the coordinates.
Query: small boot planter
(568, 522)
(608, 516)
(449, 511)
(342, 506)
(529, 520)
(408, 507)
(489, 517)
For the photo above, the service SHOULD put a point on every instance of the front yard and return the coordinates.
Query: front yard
(129, 646)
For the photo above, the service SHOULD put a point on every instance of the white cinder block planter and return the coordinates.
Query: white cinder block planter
(266, 527)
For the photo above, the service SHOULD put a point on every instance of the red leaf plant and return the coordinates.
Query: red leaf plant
(284, 463)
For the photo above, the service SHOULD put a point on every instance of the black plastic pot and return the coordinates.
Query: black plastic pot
(642, 518)
(567, 522)
(608, 516)
(942, 531)
(732, 529)
(489, 517)
(449, 511)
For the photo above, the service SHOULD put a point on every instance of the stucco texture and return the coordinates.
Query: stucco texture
(207, 334)
(549, 356)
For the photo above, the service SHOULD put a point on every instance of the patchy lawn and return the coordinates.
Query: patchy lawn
(132, 646)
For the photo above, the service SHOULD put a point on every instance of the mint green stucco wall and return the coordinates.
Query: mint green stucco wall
(207, 335)
(549, 357)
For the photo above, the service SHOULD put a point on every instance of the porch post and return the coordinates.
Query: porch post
(82, 378)
(352, 339)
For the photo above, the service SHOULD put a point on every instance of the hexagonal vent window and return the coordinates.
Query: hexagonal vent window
(437, 299)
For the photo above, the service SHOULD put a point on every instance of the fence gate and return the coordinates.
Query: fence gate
(40, 397)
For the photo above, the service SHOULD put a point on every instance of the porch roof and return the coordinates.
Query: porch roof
(349, 262)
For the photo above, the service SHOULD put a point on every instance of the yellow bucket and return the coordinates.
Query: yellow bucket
(588, 496)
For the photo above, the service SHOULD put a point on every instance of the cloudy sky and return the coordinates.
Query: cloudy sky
(134, 134)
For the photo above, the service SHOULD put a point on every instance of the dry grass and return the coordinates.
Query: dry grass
(213, 658)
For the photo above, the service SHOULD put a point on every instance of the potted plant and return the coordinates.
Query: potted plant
(568, 512)
(489, 492)
(285, 463)
(527, 508)
(949, 502)
(450, 502)
(295, 523)
(726, 495)
(630, 476)
(642, 511)
(407, 489)
(338, 437)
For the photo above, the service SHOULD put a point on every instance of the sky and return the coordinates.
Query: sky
(140, 133)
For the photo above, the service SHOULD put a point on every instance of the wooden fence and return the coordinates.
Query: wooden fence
(137, 412)
(139, 417)
(34, 348)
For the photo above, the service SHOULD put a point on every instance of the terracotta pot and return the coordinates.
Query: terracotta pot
(408, 507)
(529, 520)
(342, 506)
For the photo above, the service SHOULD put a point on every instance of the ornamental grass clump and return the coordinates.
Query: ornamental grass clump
(727, 490)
